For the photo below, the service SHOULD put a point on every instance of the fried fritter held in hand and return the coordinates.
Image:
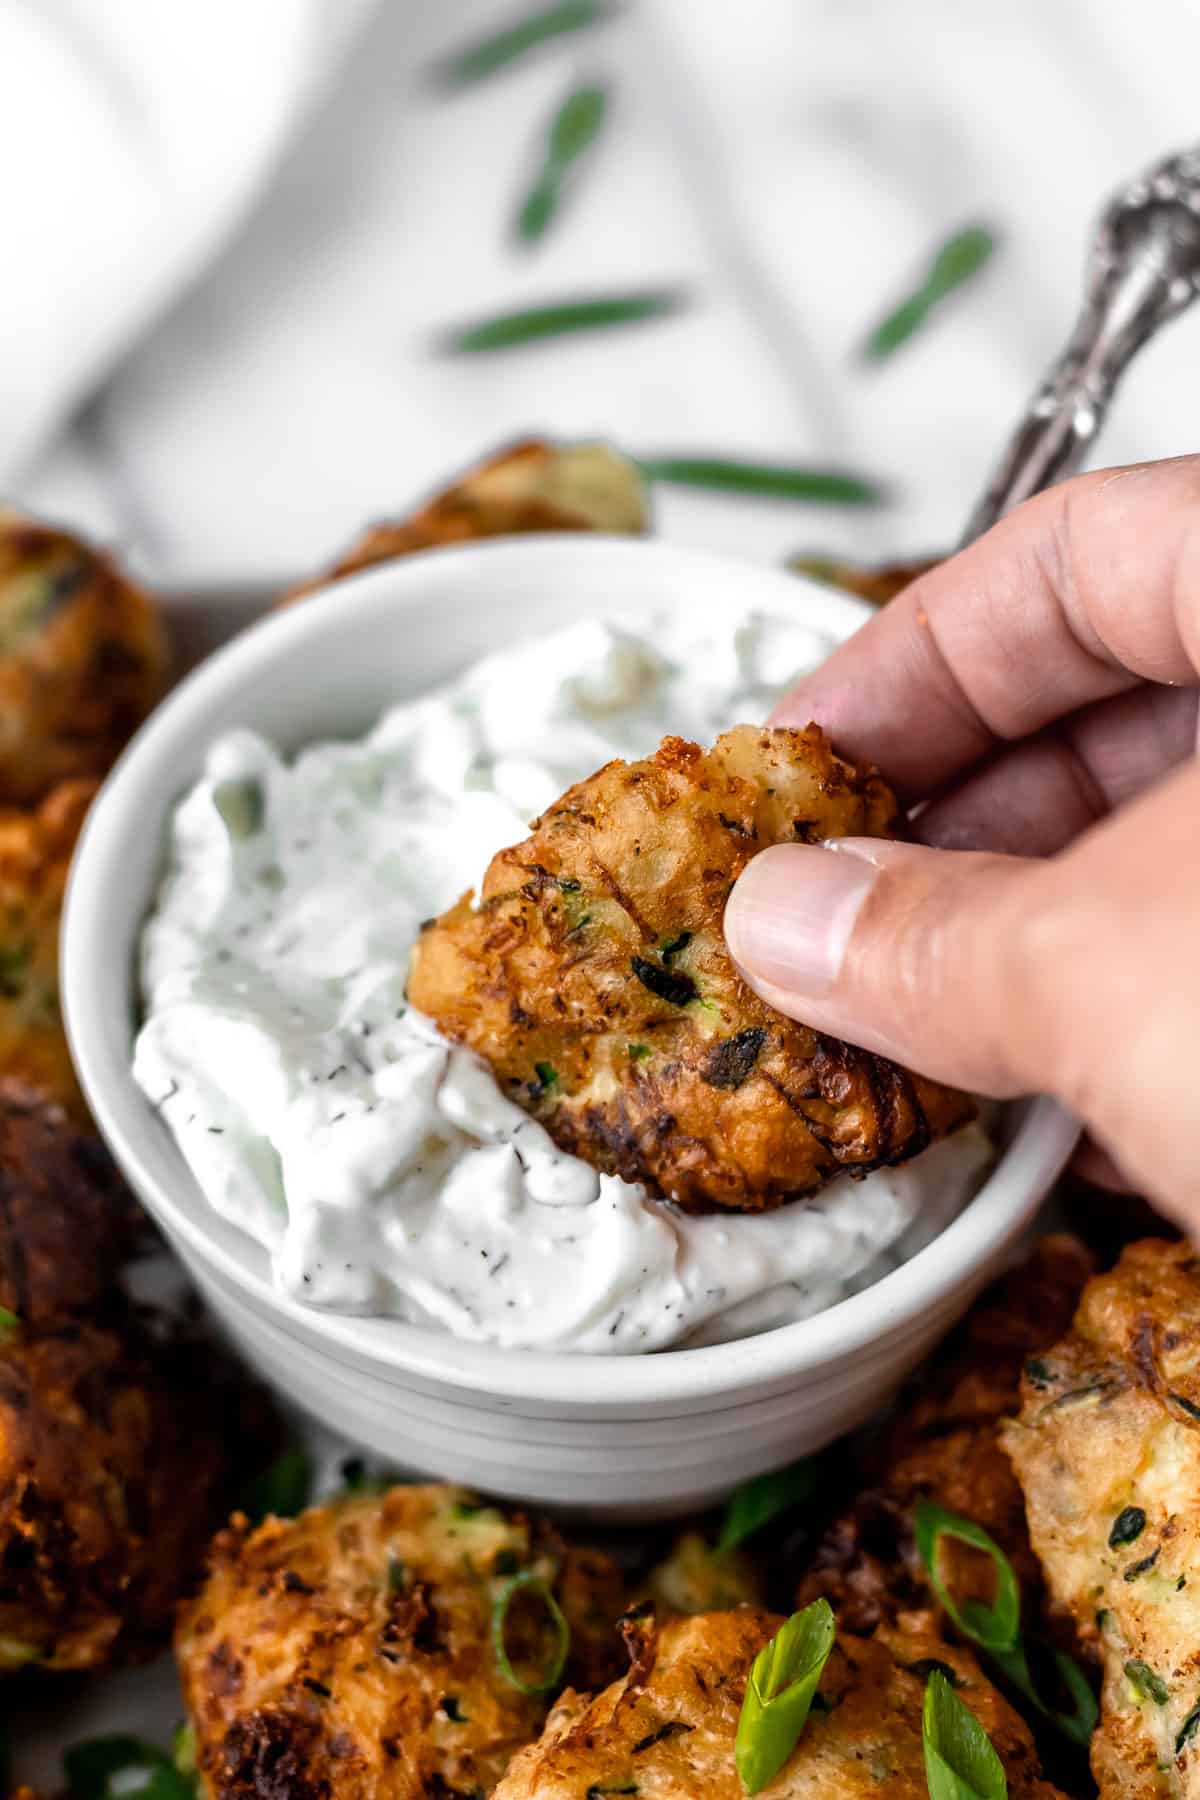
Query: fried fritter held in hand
(594, 978)
(350, 1653)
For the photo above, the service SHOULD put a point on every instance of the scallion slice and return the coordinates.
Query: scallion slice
(996, 1627)
(527, 1582)
(757, 1502)
(779, 1694)
(960, 1760)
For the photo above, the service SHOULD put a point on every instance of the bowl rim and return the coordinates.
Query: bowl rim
(955, 1260)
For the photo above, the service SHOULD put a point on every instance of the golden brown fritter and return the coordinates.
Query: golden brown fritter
(944, 1445)
(35, 855)
(1107, 1450)
(531, 486)
(68, 1223)
(594, 978)
(876, 582)
(694, 1577)
(120, 1432)
(116, 1452)
(349, 1652)
(666, 1730)
(82, 658)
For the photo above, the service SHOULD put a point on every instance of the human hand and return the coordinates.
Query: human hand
(1036, 697)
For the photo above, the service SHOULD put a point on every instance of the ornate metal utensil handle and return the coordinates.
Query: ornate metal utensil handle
(1143, 268)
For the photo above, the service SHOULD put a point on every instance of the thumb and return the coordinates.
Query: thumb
(903, 950)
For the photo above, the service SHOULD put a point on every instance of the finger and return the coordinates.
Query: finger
(1073, 598)
(1076, 976)
(1033, 799)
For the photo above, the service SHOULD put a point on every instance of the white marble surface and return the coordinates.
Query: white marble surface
(791, 162)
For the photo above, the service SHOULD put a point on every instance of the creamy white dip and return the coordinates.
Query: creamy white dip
(382, 1168)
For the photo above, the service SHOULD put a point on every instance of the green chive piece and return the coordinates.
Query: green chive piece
(996, 1627)
(183, 1749)
(960, 1760)
(759, 1501)
(638, 1052)
(1078, 1724)
(547, 1678)
(771, 481)
(779, 1694)
(573, 130)
(1127, 1527)
(1146, 1684)
(491, 54)
(558, 319)
(547, 1076)
(956, 260)
(241, 805)
(15, 1653)
(283, 1489)
(111, 1768)
(1187, 1730)
(10, 1322)
(14, 970)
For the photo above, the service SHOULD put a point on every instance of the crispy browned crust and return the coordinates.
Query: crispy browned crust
(82, 658)
(1107, 1450)
(67, 1220)
(597, 954)
(35, 854)
(117, 1447)
(944, 1445)
(348, 1651)
(876, 582)
(529, 487)
(667, 1729)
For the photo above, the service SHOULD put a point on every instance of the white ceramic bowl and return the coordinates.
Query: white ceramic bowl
(637, 1436)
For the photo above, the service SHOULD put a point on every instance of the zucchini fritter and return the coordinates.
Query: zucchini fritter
(944, 1445)
(349, 1652)
(1107, 1450)
(82, 658)
(876, 582)
(531, 486)
(666, 1730)
(594, 978)
(35, 855)
(119, 1436)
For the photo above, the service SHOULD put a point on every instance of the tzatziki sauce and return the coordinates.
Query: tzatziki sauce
(380, 1166)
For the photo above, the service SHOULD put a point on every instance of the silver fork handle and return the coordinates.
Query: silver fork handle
(1143, 269)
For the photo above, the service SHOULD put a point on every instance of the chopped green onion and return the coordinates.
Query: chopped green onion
(773, 481)
(779, 1694)
(1080, 1722)
(548, 1677)
(241, 805)
(14, 969)
(1127, 1527)
(638, 1052)
(547, 1076)
(9, 1322)
(120, 1767)
(960, 1760)
(759, 1501)
(283, 1489)
(490, 54)
(954, 262)
(996, 1627)
(183, 1749)
(16, 1652)
(573, 130)
(559, 318)
(1187, 1730)
(1146, 1684)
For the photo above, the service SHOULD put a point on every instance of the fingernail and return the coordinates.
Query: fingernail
(790, 917)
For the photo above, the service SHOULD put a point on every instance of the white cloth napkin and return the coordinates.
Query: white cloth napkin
(792, 163)
(134, 135)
